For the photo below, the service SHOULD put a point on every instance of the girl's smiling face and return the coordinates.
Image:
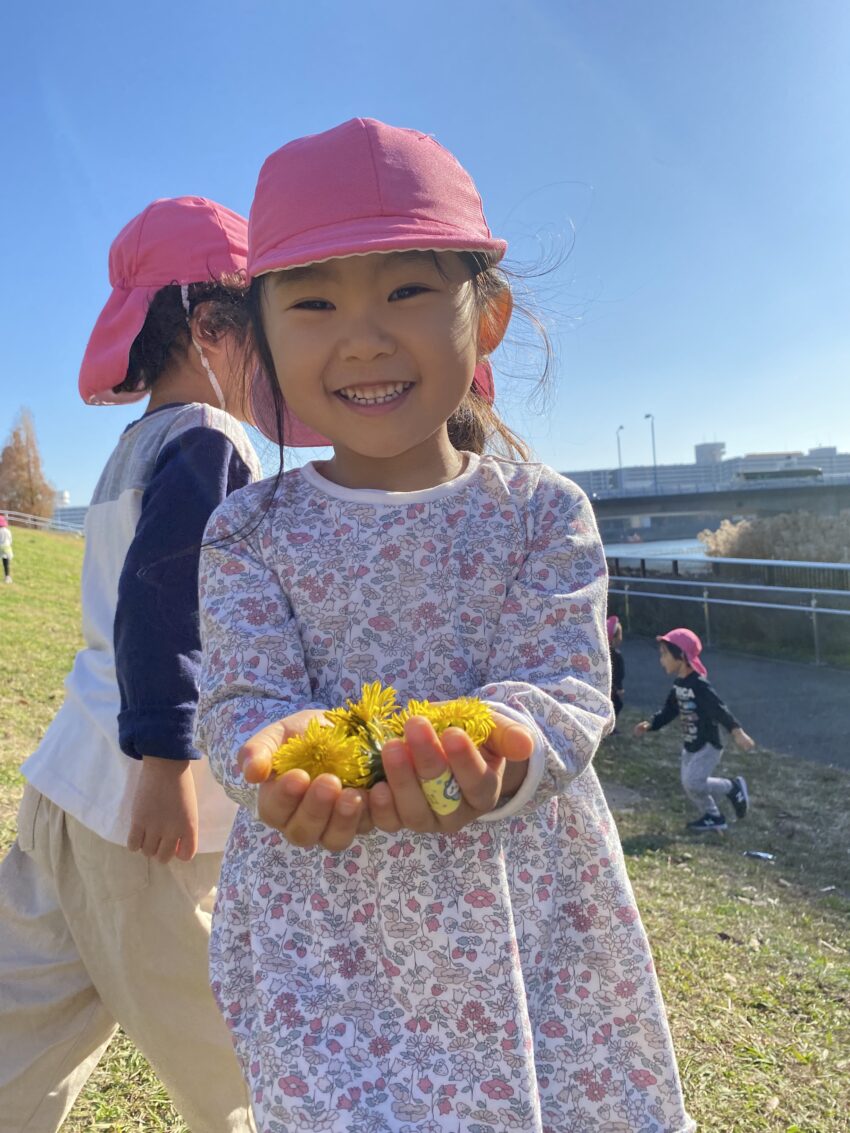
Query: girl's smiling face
(376, 352)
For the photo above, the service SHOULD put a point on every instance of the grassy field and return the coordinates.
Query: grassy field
(753, 956)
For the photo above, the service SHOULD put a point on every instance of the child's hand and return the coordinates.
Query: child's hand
(641, 729)
(482, 775)
(321, 812)
(164, 819)
(744, 742)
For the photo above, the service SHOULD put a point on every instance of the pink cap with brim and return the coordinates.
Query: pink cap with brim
(359, 188)
(363, 187)
(298, 435)
(612, 624)
(690, 645)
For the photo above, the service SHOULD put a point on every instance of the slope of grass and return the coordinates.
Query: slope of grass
(753, 956)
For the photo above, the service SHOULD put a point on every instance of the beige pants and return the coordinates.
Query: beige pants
(92, 936)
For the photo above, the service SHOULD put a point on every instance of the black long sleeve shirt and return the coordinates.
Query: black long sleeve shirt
(700, 709)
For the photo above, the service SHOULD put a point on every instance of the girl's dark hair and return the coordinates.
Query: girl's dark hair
(475, 425)
(675, 651)
(165, 334)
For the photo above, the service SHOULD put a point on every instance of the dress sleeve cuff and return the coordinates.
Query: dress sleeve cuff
(536, 766)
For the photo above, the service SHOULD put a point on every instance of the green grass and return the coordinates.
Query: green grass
(753, 956)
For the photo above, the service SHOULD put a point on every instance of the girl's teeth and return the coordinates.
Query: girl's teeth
(376, 395)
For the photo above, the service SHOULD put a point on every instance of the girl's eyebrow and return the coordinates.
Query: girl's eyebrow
(307, 274)
(318, 273)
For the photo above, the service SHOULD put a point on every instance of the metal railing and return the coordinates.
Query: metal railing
(809, 604)
(39, 523)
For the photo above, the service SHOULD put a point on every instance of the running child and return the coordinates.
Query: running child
(701, 711)
(94, 934)
(381, 966)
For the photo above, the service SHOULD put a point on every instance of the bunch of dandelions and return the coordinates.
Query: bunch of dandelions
(350, 744)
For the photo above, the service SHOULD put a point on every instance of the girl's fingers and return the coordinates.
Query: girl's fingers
(313, 813)
(510, 740)
(411, 805)
(342, 828)
(279, 798)
(382, 809)
(479, 780)
(255, 756)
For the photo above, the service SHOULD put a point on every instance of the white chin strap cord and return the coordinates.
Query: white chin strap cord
(184, 295)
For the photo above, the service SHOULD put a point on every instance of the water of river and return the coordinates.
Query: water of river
(657, 549)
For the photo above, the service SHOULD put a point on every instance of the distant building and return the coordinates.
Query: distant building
(711, 471)
(711, 453)
(70, 517)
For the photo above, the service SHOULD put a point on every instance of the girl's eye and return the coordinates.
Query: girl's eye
(312, 305)
(408, 291)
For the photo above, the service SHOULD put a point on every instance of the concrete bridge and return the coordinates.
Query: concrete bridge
(745, 499)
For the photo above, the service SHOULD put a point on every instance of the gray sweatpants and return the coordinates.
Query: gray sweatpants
(700, 787)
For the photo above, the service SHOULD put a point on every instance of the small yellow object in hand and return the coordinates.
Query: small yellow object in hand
(349, 746)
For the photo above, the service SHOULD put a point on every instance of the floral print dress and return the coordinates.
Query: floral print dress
(490, 980)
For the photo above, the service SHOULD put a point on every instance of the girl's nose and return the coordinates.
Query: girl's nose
(365, 340)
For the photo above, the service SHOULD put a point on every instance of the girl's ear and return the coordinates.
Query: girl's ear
(201, 327)
(494, 321)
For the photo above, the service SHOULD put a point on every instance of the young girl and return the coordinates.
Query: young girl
(701, 711)
(95, 933)
(383, 967)
(6, 548)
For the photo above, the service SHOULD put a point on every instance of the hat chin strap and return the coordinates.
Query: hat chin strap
(205, 362)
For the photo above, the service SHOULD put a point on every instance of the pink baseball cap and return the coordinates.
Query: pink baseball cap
(363, 187)
(690, 645)
(176, 240)
(612, 624)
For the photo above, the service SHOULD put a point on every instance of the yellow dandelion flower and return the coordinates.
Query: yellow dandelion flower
(322, 750)
(368, 715)
(467, 713)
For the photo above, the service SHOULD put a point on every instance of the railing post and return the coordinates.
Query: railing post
(627, 611)
(705, 615)
(814, 605)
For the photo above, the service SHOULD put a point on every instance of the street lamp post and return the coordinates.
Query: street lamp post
(651, 418)
(620, 456)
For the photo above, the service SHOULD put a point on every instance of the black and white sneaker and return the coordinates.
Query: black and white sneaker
(708, 822)
(739, 796)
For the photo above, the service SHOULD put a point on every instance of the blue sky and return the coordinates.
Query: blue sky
(687, 163)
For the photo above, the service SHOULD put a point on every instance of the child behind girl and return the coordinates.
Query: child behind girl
(701, 711)
(383, 967)
(618, 665)
(93, 934)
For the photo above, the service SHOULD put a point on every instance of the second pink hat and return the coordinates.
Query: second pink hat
(689, 643)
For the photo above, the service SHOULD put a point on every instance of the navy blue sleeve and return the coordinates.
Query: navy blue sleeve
(669, 712)
(157, 637)
(712, 708)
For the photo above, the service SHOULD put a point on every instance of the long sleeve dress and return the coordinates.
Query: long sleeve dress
(490, 980)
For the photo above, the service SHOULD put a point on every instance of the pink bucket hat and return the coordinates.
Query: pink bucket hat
(690, 645)
(178, 240)
(363, 187)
